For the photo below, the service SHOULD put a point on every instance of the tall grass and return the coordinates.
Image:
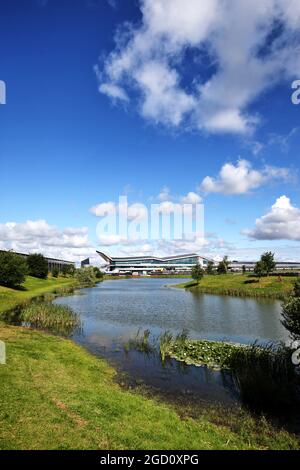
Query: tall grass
(165, 342)
(141, 342)
(240, 293)
(58, 319)
(266, 376)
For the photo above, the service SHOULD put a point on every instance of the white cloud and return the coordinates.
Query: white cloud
(234, 38)
(164, 195)
(242, 178)
(38, 236)
(113, 91)
(282, 222)
(191, 198)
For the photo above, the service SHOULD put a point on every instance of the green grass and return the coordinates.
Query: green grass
(55, 395)
(33, 287)
(243, 286)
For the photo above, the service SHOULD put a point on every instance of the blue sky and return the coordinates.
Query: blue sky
(106, 98)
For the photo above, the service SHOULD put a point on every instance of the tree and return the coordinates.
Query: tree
(98, 273)
(267, 259)
(244, 269)
(259, 269)
(55, 272)
(13, 269)
(197, 273)
(210, 267)
(223, 266)
(37, 266)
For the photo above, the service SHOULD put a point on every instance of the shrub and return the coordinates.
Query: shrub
(291, 312)
(68, 269)
(296, 291)
(55, 272)
(98, 273)
(86, 276)
(291, 316)
(197, 273)
(13, 269)
(37, 266)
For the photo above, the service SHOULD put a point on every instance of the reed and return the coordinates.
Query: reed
(141, 342)
(266, 375)
(58, 319)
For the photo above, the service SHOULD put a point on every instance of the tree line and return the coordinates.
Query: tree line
(14, 268)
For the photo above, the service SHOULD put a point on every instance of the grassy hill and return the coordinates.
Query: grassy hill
(33, 287)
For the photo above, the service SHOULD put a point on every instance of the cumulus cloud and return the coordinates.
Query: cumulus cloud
(191, 198)
(242, 178)
(38, 236)
(282, 222)
(239, 49)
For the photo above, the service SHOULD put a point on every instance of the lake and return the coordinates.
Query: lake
(115, 310)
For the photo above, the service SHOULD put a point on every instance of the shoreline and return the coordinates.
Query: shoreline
(57, 395)
(236, 285)
(63, 388)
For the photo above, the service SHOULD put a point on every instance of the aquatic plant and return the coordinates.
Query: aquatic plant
(141, 343)
(266, 375)
(165, 341)
(58, 319)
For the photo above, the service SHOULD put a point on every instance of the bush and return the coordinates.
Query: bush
(68, 270)
(86, 276)
(13, 269)
(37, 266)
(296, 291)
(291, 316)
(98, 273)
(55, 272)
(291, 312)
(197, 273)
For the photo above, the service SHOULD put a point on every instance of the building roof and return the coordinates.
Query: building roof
(46, 257)
(110, 259)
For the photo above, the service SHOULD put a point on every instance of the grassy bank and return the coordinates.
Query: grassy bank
(243, 286)
(32, 287)
(55, 395)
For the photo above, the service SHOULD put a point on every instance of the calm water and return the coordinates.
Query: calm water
(115, 311)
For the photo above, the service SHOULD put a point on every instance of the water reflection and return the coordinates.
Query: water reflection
(113, 312)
